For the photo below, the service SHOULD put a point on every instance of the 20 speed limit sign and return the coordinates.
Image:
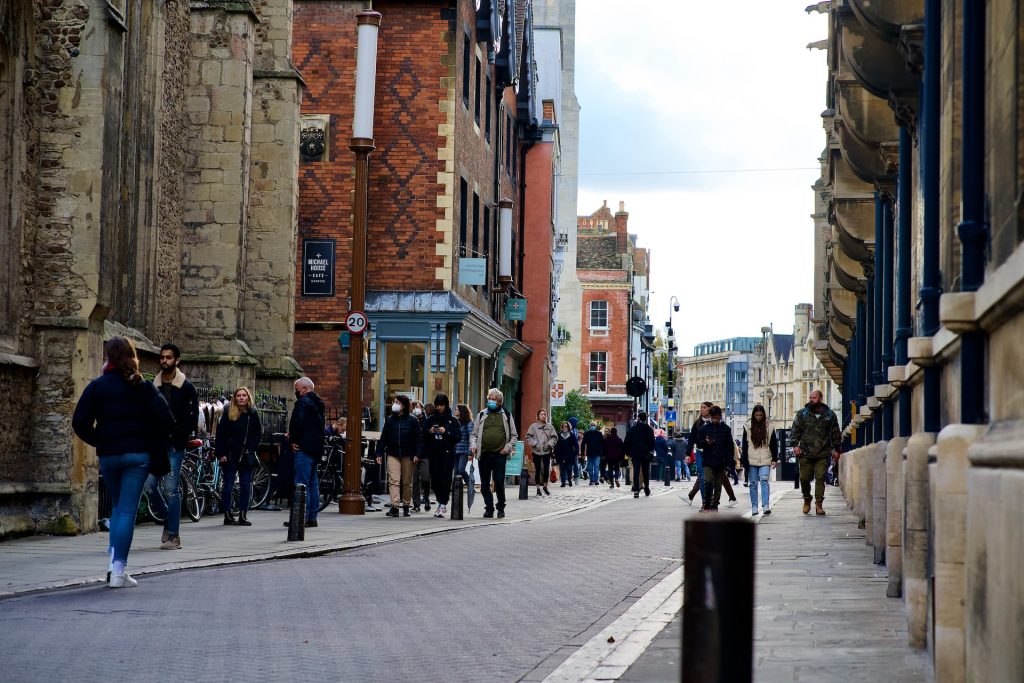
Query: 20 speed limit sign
(356, 322)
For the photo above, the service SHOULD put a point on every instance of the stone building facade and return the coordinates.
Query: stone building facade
(920, 314)
(148, 187)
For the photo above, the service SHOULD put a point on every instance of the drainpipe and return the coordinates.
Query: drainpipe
(859, 337)
(973, 231)
(867, 343)
(876, 317)
(887, 312)
(904, 321)
(931, 285)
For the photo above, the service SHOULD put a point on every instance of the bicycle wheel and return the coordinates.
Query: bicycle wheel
(326, 486)
(191, 501)
(260, 485)
(151, 509)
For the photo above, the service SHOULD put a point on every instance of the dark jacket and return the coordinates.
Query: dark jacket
(440, 444)
(816, 433)
(612, 448)
(694, 431)
(661, 449)
(236, 436)
(119, 418)
(722, 452)
(679, 448)
(567, 449)
(306, 427)
(593, 444)
(639, 441)
(181, 396)
(400, 437)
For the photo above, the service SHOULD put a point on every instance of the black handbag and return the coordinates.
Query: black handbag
(250, 459)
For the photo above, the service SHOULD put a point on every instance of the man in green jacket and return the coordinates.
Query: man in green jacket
(815, 436)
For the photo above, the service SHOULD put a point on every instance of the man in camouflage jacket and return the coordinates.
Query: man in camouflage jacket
(815, 436)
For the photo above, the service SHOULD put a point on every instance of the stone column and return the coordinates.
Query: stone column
(867, 486)
(878, 495)
(950, 516)
(915, 538)
(894, 515)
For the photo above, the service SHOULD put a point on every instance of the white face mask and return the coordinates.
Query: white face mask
(396, 407)
(417, 412)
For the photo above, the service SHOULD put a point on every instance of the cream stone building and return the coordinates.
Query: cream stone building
(919, 307)
(148, 187)
(705, 376)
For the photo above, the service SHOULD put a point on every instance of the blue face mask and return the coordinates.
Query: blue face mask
(492, 405)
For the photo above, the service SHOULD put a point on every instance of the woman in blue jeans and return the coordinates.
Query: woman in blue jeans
(125, 418)
(759, 453)
(462, 454)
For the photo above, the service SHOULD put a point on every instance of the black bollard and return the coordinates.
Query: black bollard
(297, 515)
(666, 474)
(628, 468)
(524, 485)
(457, 498)
(718, 600)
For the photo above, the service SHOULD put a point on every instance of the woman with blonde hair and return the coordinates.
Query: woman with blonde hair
(238, 436)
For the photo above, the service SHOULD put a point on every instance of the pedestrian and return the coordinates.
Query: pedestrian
(441, 432)
(129, 423)
(613, 457)
(760, 453)
(400, 443)
(718, 451)
(238, 435)
(306, 436)
(695, 452)
(815, 435)
(183, 400)
(679, 447)
(639, 446)
(462, 455)
(592, 448)
(566, 450)
(664, 455)
(577, 472)
(541, 438)
(421, 470)
(494, 436)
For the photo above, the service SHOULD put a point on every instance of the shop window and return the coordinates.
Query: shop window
(599, 315)
(599, 371)
(465, 69)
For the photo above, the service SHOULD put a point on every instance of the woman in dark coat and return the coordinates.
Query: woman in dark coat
(128, 422)
(613, 456)
(567, 449)
(238, 435)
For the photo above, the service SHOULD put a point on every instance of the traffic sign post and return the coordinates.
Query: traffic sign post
(356, 322)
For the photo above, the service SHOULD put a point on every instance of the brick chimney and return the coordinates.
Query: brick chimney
(621, 232)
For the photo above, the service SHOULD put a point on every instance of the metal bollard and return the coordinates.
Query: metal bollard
(718, 600)
(457, 498)
(297, 515)
(667, 470)
(524, 485)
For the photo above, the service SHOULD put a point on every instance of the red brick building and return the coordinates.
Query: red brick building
(454, 102)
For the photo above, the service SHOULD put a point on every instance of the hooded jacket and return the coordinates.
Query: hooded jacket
(306, 427)
(816, 433)
(181, 396)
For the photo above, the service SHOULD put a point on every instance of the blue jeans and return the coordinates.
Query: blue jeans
(228, 471)
(682, 470)
(699, 461)
(760, 474)
(462, 469)
(305, 473)
(565, 470)
(594, 468)
(169, 489)
(577, 471)
(124, 476)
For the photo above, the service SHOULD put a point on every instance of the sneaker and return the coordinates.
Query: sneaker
(767, 511)
(731, 503)
(415, 508)
(393, 512)
(689, 498)
(441, 509)
(488, 514)
(165, 536)
(501, 513)
(754, 513)
(122, 581)
(426, 506)
(546, 492)
(171, 543)
(311, 523)
(370, 507)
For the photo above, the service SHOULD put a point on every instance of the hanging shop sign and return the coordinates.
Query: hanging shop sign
(515, 310)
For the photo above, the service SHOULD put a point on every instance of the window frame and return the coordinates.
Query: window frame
(476, 94)
(594, 385)
(590, 318)
(466, 56)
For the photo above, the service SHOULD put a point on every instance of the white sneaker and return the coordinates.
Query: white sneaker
(441, 509)
(122, 581)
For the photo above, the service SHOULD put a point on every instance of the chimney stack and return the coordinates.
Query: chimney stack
(621, 232)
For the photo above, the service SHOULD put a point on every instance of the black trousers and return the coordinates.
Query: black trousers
(441, 467)
(541, 469)
(641, 470)
(492, 468)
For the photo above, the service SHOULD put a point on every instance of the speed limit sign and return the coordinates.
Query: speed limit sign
(356, 322)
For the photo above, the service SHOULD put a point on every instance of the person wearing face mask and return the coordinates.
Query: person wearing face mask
(306, 436)
(494, 437)
(541, 438)
(592, 448)
(399, 443)
(421, 471)
(566, 451)
(440, 435)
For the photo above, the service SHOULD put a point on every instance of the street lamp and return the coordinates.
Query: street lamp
(671, 339)
(367, 27)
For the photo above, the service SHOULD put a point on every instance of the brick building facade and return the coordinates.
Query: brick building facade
(148, 161)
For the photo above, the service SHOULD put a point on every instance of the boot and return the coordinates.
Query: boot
(405, 510)
(818, 510)
(807, 506)
(229, 519)
(242, 521)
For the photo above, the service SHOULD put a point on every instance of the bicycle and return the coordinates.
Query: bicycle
(329, 471)
(187, 493)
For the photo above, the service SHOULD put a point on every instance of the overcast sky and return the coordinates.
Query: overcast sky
(687, 85)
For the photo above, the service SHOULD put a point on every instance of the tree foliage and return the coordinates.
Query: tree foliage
(576, 405)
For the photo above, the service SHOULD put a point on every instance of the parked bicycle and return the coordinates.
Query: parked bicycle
(190, 500)
(329, 471)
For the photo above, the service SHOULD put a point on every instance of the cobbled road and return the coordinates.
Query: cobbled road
(499, 603)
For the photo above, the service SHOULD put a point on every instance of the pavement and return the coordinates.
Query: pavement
(48, 562)
(820, 615)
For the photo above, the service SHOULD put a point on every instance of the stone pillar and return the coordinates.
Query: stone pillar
(894, 515)
(915, 538)
(878, 495)
(950, 516)
(867, 486)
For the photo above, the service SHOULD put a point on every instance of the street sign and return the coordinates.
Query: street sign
(515, 310)
(558, 393)
(472, 271)
(636, 386)
(670, 417)
(356, 322)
